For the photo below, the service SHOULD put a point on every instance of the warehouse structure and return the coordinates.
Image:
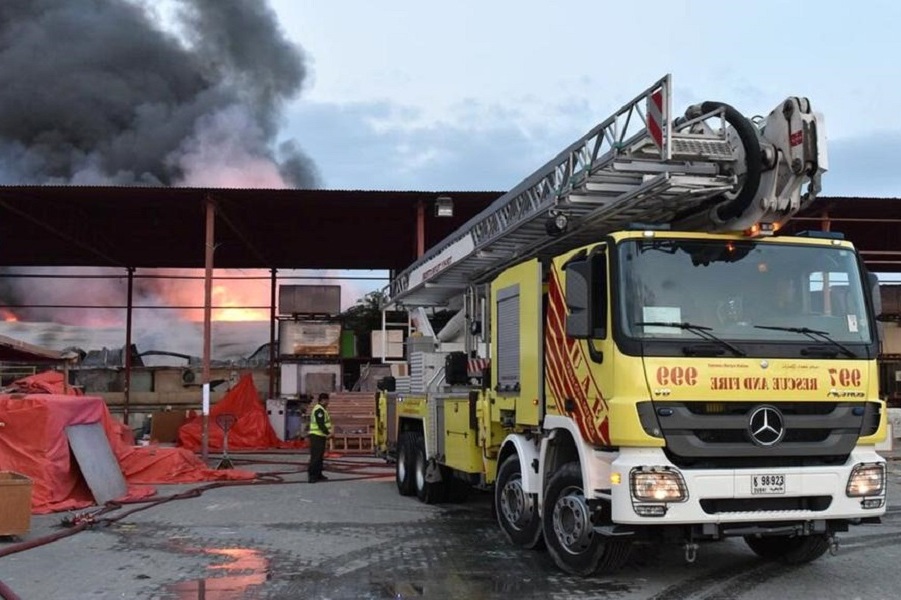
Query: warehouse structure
(136, 228)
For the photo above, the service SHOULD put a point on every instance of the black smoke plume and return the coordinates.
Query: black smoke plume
(116, 92)
(97, 92)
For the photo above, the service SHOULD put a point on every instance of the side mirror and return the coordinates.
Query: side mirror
(875, 294)
(876, 299)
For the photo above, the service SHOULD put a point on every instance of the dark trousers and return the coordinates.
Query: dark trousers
(317, 454)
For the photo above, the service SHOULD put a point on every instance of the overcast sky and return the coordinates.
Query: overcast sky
(474, 95)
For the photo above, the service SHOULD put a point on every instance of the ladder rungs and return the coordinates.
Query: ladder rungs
(706, 149)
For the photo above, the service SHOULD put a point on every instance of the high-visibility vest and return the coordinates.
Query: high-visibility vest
(314, 426)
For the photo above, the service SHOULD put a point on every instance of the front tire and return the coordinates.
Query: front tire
(790, 550)
(517, 511)
(568, 526)
(403, 471)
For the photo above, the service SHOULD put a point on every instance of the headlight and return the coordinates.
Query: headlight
(867, 479)
(657, 485)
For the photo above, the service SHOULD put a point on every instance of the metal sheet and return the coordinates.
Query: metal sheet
(98, 465)
(309, 299)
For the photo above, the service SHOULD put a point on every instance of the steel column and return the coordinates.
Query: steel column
(209, 248)
(420, 229)
(272, 335)
(128, 317)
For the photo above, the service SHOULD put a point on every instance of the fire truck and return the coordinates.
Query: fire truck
(637, 356)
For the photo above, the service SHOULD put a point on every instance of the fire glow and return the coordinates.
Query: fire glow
(232, 299)
(8, 316)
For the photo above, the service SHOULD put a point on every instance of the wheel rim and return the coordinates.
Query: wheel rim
(420, 472)
(572, 521)
(516, 506)
(401, 466)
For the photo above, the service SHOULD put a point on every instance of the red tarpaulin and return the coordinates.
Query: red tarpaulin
(48, 382)
(250, 431)
(33, 442)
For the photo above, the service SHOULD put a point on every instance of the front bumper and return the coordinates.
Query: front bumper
(725, 495)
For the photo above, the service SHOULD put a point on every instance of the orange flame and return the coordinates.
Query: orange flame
(230, 298)
(8, 316)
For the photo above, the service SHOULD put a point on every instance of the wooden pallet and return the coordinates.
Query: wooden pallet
(353, 422)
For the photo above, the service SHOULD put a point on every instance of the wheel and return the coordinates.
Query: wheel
(790, 550)
(456, 490)
(517, 511)
(427, 492)
(403, 473)
(568, 526)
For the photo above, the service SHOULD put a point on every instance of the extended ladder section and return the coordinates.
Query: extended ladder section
(638, 166)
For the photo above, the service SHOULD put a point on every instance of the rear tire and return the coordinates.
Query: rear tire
(403, 472)
(427, 492)
(568, 527)
(517, 511)
(790, 550)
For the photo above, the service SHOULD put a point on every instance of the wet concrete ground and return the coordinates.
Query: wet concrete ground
(354, 537)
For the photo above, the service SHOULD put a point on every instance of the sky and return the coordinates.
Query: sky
(412, 95)
(475, 95)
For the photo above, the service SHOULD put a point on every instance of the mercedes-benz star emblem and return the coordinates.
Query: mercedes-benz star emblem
(766, 426)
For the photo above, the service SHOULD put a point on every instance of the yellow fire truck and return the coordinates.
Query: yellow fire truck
(638, 356)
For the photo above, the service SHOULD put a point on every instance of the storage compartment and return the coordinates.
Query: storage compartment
(15, 503)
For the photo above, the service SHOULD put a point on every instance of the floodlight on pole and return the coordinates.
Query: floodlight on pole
(444, 206)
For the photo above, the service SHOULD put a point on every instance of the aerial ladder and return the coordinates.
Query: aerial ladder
(711, 169)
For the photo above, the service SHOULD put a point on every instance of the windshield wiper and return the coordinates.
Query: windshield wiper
(701, 331)
(814, 334)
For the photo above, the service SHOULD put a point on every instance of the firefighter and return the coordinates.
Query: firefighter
(320, 431)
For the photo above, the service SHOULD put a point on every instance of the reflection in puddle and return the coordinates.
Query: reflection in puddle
(252, 566)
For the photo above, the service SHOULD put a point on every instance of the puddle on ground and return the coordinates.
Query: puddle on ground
(245, 568)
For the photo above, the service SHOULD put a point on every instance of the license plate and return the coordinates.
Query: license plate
(767, 484)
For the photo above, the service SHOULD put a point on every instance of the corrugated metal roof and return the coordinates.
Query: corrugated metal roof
(147, 227)
(12, 350)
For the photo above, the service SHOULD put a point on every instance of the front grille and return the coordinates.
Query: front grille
(738, 436)
(807, 436)
(721, 436)
(718, 434)
(743, 408)
(734, 505)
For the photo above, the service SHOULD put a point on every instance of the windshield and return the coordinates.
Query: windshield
(740, 290)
